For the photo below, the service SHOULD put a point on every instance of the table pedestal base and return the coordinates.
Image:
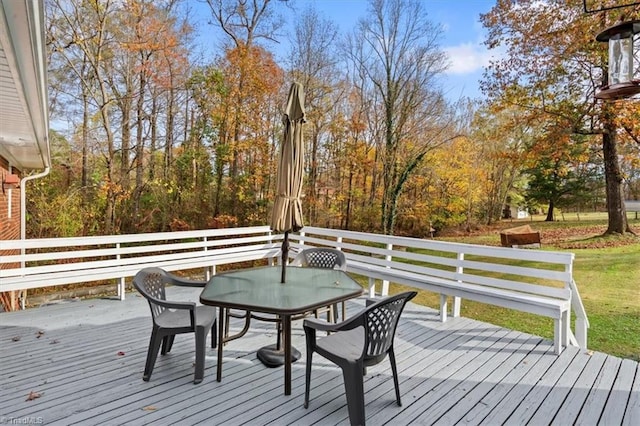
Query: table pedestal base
(273, 357)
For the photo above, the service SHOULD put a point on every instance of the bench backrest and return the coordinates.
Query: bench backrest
(52, 261)
(632, 205)
(543, 273)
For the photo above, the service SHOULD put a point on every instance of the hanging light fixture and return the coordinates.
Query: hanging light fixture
(591, 6)
(624, 66)
(623, 78)
(10, 181)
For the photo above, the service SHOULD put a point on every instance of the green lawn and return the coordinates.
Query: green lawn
(609, 284)
(608, 279)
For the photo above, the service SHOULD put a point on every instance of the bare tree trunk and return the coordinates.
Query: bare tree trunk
(549, 217)
(396, 57)
(125, 108)
(139, 160)
(153, 143)
(168, 149)
(618, 223)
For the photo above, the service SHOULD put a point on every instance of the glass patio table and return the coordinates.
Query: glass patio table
(260, 290)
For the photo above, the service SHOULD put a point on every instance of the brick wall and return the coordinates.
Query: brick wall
(9, 228)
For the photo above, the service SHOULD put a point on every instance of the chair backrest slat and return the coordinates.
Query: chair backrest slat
(151, 283)
(321, 258)
(381, 321)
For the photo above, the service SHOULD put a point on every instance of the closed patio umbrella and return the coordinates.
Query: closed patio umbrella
(287, 209)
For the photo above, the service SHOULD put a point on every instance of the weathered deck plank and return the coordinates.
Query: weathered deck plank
(578, 393)
(615, 410)
(85, 360)
(632, 413)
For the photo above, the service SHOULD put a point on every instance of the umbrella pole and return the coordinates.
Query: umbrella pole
(285, 256)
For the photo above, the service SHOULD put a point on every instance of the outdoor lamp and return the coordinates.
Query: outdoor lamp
(10, 181)
(624, 67)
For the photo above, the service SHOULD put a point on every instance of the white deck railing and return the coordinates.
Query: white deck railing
(540, 282)
(44, 262)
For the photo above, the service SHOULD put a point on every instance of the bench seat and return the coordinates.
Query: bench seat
(531, 281)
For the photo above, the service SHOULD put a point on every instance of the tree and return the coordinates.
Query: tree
(116, 71)
(501, 137)
(396, 57)
(313, 62)
(153, 71)
(245, 23)
(561, 171)
(551, 68)
(246, 136)
(84, 42)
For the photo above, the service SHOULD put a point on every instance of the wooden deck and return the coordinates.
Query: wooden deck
(84, 360)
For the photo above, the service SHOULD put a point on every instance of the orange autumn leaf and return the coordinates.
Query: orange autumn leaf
(33, 395)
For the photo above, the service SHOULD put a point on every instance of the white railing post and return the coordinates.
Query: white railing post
(270, 260)
(455, 308)
(372, 287)
(582, 322)
(208, 270)
(121, 282)
(22, 294)
(385, 284)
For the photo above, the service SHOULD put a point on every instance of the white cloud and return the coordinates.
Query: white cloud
(468, 58)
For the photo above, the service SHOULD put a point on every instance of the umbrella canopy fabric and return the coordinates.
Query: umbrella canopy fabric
(287, 210)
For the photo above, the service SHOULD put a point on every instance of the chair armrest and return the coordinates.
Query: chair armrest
(296, 262)
(174, 305)
(318, 324)
(321, 325)
(184, 282)
(370, 301)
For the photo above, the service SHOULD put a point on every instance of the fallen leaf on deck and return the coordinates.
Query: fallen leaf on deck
(120, 353)
(39, 334)
(33, 395)
(149, 408)
(16, 338)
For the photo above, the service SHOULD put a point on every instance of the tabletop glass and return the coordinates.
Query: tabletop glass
(260, 289)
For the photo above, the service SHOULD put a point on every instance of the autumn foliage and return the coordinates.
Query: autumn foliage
(159, 137)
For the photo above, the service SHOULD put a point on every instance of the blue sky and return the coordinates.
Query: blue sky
(462, 38)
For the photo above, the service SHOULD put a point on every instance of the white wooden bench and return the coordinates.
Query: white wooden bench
(632, 206)
(34, 263)
(539, 282)
(533, 281)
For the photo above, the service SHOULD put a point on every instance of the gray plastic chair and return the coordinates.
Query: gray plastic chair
(171, 318)
(321, 257)
(361, 341)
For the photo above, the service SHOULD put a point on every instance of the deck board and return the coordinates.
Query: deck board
(614, 410)
(578, 393)
(632, 412)
(85, 359)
